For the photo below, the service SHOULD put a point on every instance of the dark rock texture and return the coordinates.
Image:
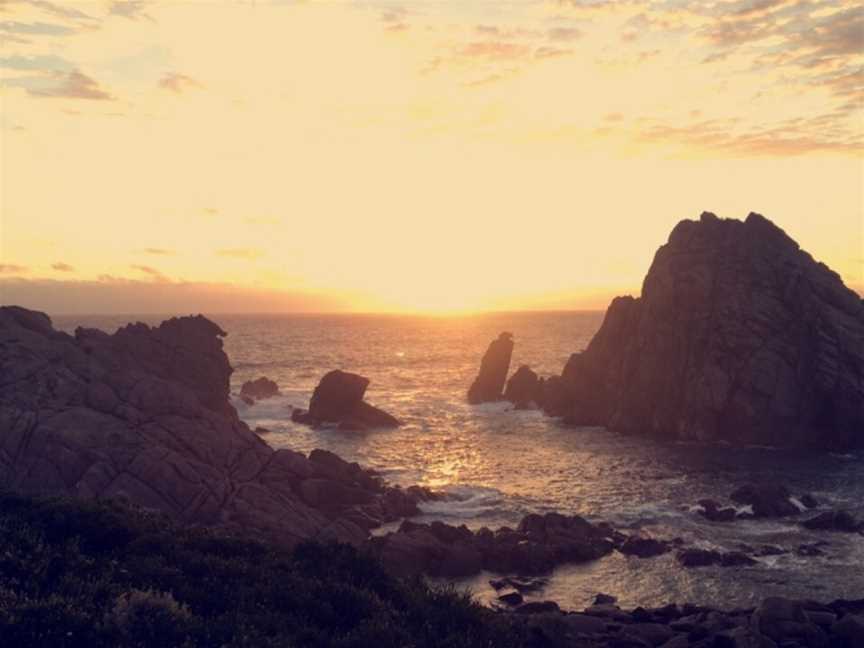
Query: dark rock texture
(144, 414)
(338, 398)
(259, 389)
(842, 521)
(738, 336)
(524, 388)
(540, 543)
(489, 384)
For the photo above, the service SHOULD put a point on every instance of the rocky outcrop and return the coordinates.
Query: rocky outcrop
(144, 415)
(259, 389)
(536, 546)
(842, 521)
(338, 398)
(739, 336)
(774, 622)
(524, 388)
(489, 384)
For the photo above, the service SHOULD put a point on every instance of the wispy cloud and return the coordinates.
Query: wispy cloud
(178, 83)
(158, 251)
(131, 9)
(72, 85)
(151, 271)
(11, 268)
(250, 254)
(62, 267)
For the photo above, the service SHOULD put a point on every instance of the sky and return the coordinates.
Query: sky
(435, 156)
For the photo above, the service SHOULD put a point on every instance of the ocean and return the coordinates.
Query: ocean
(501, 464)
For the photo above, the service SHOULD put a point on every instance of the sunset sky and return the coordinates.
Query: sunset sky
(448, 155)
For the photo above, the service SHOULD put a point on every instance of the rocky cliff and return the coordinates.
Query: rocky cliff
(144, 415)
(739, 335)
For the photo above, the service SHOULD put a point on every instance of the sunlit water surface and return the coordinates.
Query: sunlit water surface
(503, 464)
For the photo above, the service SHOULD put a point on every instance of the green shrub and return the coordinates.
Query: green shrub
(99, 574)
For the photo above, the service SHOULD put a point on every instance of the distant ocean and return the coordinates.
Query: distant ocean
(503, 464)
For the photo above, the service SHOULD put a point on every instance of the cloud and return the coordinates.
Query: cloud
(11, 268)
(249, 254)
(59, 10)
(495, 50)
(613, 117)
(178, 82)
(42, 63)
(112, 295)
(35, 29)
(563, 34)
(148, 270)
(62, 267)
(551, 52)
(158, 251)
(786, 139)
(131, 9)
(72, 85)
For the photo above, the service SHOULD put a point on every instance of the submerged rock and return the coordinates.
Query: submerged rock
(338, 398)
(739, 336)
(489, 384)
(258, 389)
(767, 500)
(842, 521)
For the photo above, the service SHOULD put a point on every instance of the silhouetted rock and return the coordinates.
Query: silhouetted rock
(144, 414)
(259, 389)
(338, 398)
(489, 384)
(785, 621)
(739, 336)
(706, 557)
(644, 547)
(540, 543)
(523, 388)
(767, 500)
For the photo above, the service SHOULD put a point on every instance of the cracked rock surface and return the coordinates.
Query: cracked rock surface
(144, 415)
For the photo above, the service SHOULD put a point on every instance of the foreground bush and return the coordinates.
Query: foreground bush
(99, 574)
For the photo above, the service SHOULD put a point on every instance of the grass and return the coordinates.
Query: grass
(94, 574)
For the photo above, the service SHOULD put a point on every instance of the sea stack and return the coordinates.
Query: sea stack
(338, 398)
(739, 336)
(489, 384)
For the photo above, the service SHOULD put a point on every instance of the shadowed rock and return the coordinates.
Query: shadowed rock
(523, 388)
(259, 389)
(338, 398)
(489, 384)
(739, 336)
(144, 415)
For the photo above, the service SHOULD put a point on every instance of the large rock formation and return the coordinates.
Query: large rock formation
(739, 336)
(338, 398)
(144, 415)
(489, 384)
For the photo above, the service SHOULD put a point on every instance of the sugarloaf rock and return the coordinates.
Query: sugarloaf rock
(739, 336)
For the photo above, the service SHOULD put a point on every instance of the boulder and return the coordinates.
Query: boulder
(489, 384)
(523, 388)
(785, 621)
(739, 336)
(259, 389)
(644, 547)
(767, 500)
(338, 398)
(540, 543)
